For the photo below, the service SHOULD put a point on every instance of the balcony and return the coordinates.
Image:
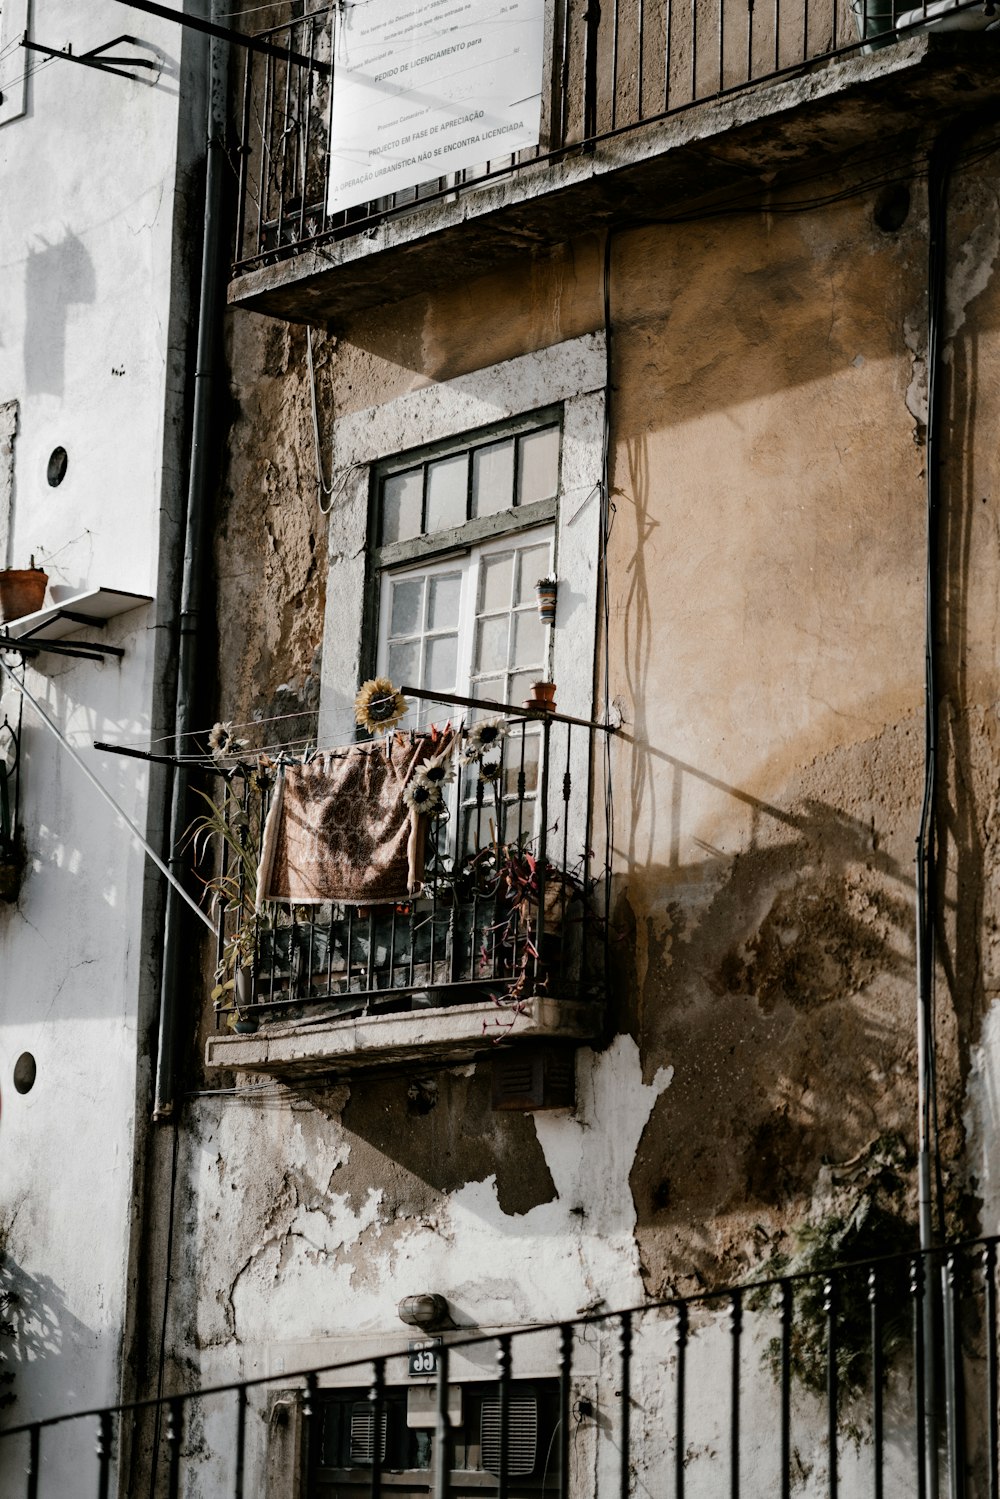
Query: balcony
(504, 943)
(672, 104)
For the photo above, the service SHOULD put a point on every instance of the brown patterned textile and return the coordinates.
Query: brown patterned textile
(338, 828)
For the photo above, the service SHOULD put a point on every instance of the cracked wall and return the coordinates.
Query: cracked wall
(765, 649)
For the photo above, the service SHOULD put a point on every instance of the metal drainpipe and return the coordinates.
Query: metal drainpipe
(194, 551)
(940, 165)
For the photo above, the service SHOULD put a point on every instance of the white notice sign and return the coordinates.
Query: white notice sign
(424, 89)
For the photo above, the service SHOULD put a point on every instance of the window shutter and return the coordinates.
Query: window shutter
(534, 1078)
(522, 1435)
(363, 1434)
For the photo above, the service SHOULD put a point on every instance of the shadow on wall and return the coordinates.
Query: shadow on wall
(57, 275)
(779, 985)
(45, 1332)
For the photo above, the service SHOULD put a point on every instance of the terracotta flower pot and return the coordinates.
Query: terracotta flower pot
(543, 697)
(22, 590)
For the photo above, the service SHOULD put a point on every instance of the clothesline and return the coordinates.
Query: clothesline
(344, 723)
(422, 721)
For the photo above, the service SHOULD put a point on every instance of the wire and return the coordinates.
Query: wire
(322, 488)
(607, 515)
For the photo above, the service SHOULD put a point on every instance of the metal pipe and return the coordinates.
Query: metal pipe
(209, 300)
(223, 33)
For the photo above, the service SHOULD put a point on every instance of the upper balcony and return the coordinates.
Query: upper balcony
(672, 102)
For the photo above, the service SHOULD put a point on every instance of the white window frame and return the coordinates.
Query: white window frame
(15, 66)
(466, 562)
(571, 375)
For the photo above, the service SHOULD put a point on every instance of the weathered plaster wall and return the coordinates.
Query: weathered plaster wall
(765, 650)
(88, 350)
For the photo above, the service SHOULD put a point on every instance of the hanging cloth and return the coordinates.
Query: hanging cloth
(338, 828)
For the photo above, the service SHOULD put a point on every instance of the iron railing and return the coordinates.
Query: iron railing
(11, 841)
(822, 1379)
(615, 66)
(511, 904)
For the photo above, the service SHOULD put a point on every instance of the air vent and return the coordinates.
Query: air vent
(522, 1435)
(363, 1433)
(534, 1078)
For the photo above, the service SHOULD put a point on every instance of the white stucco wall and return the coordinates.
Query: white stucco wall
(86, 264)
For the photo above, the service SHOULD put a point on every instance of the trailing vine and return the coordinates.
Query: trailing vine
(863, 1218)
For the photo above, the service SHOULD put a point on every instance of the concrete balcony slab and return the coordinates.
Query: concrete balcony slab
(455, 1035)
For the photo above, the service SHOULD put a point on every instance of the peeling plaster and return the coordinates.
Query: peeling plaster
(982, 1120)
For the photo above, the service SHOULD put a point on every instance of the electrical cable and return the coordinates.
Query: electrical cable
(322, 488)
(606, 517)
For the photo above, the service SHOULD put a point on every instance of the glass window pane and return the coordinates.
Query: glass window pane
(494, 583)
(533, 563)
(446, 496)
(404, 662)
(538, 466)
(444, 601)
(491, 644)
(440, 663)
(401, 495)
(513, 764)
(407, 605)
(529, 638)
(520, 686)
(493, 478)
(490, 688)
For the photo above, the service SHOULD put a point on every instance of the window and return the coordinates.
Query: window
(467, 621)
(13, 69)
(408, 1456)
(443, 481)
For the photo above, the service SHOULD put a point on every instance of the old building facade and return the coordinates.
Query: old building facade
(719, 356)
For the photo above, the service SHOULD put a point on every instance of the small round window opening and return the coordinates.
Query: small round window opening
(56, 470)
(24, 1072)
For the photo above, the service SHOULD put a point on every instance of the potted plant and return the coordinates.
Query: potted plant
(22, 591)
(233, 894)
(546, 591)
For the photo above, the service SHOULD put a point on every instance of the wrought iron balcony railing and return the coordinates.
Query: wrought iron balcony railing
(511, 904)
(613, 68)
(878, 1378)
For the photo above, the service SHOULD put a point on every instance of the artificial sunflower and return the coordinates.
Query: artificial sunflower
(423, 797)
(440, 771)
(490, 771)
(223, 742)
(483, 738)
(379, 706)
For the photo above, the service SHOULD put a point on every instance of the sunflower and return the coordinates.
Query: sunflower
(423, 797)
(483, 738)
(490, 771)
(438, 772)
(379, 706)
(223, 742)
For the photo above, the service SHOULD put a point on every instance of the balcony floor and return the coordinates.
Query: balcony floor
(442, 1037)
(761, 137)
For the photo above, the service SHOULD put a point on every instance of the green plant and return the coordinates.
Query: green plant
(863, 1220)
(233, 826)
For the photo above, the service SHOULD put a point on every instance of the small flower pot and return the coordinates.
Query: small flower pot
(546, 594)
(543, 697)
(22, 591)
(246, 1020)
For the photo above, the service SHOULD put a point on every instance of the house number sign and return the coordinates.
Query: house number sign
(427, 88)
(423, 1356)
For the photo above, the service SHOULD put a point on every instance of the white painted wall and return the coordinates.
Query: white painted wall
(86, 265)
